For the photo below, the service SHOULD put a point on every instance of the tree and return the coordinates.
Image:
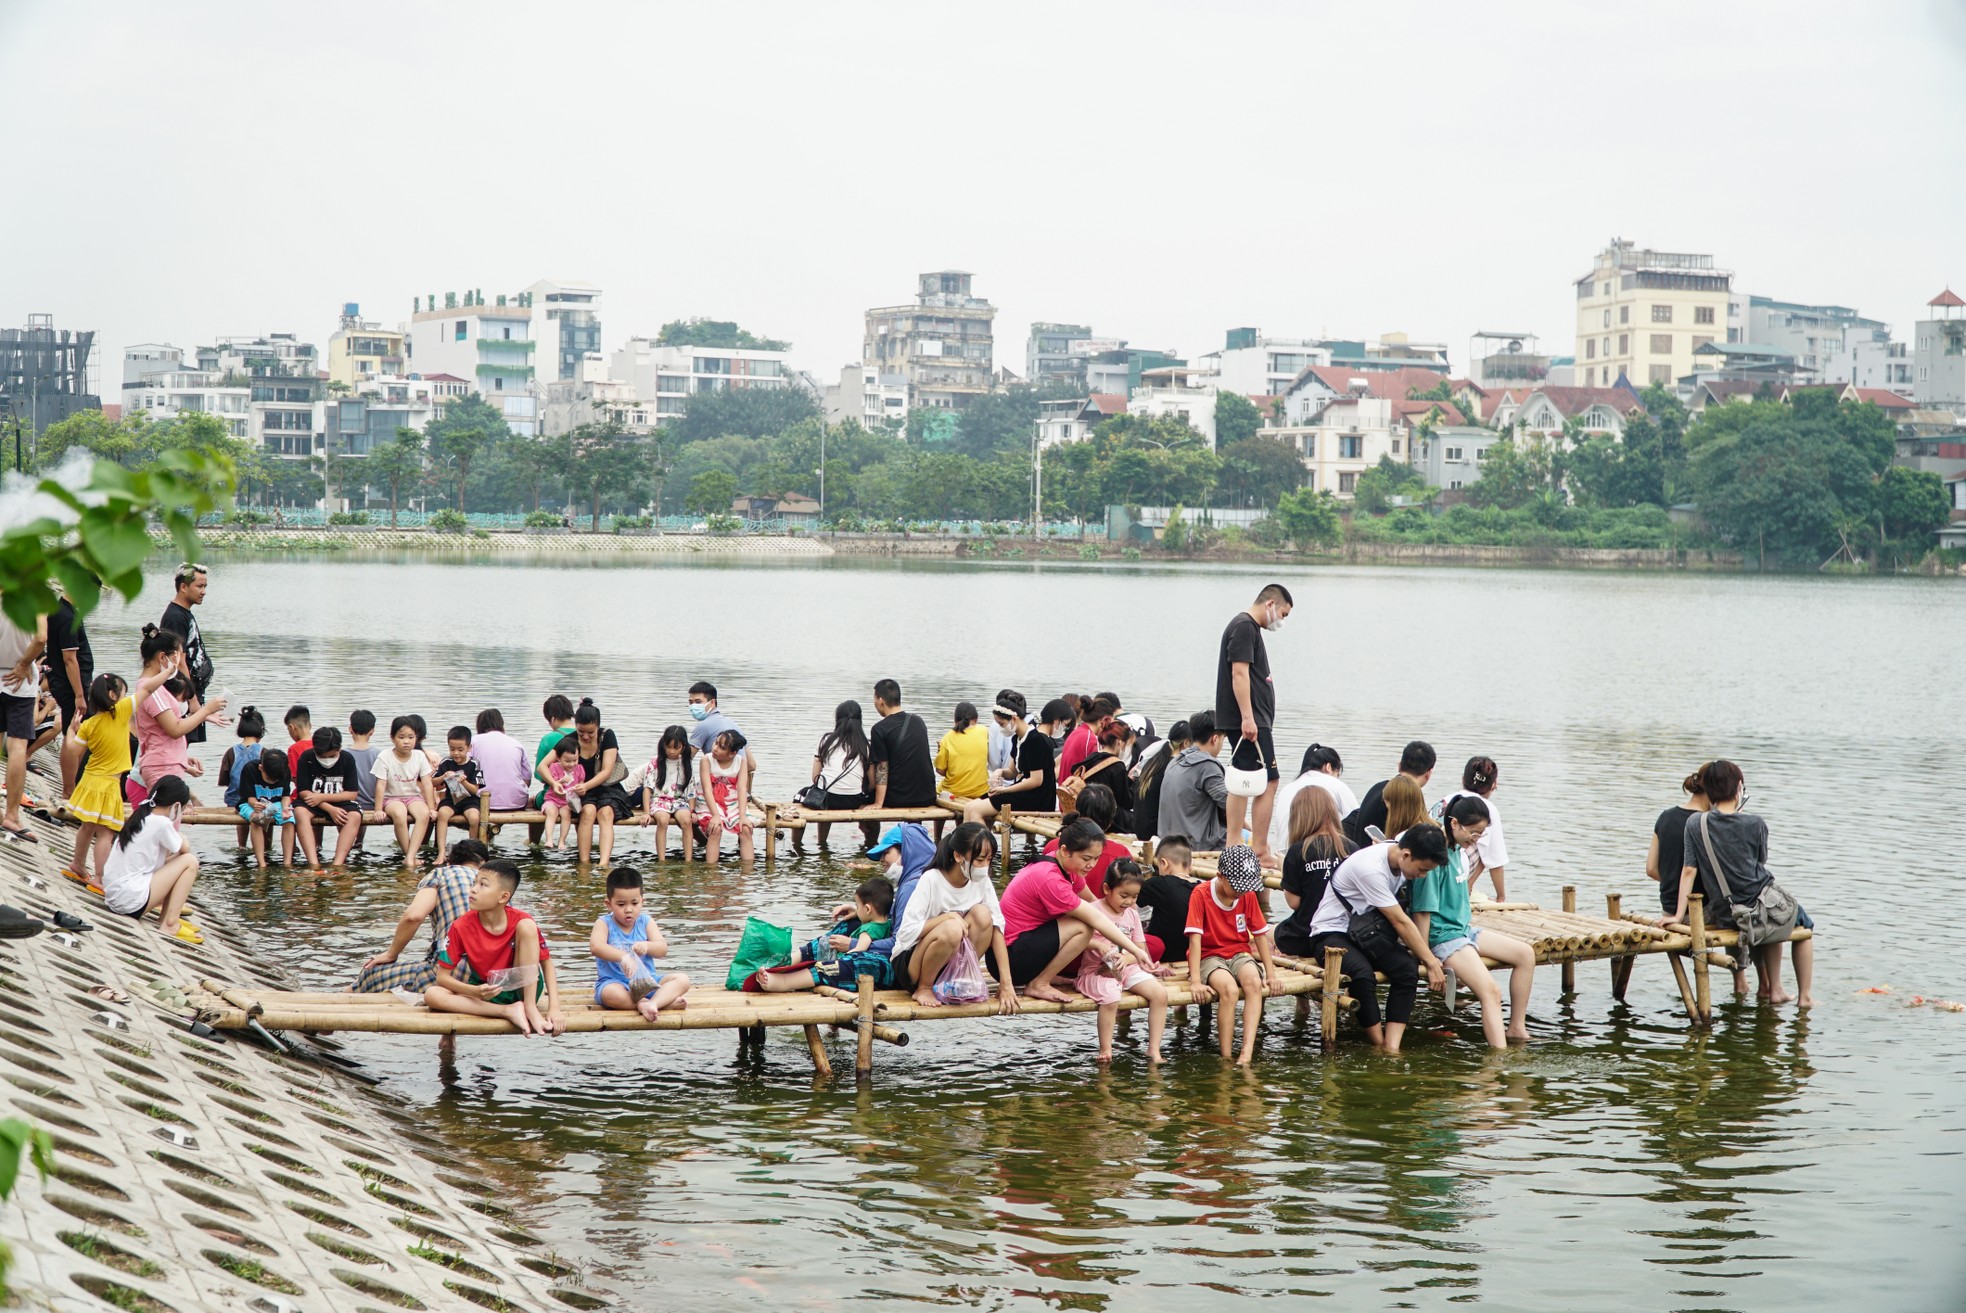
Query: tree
(1911, 503)
(1309, 519)
(998, 423)
(467, 427)
(294, 480)
(711, 492)
(1236, 419)
(1377, 487)
(715, 333)
(753, 412)
(129, 441)
(1518, 470)
(1258, 470)
(396, 463)
(609, 463)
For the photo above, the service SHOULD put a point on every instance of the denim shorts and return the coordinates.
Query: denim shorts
(1450, 947)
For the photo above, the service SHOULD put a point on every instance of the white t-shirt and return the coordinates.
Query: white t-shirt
(934, 895)
(397, 779)
(1341, 797)
(13, 646)
(842, 773)
(126, 875)
(1492, 847)
(1367, 879)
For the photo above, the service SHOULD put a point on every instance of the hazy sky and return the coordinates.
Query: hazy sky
(1160, 171)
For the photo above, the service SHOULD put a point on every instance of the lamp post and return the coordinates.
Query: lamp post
(822, 473)
(1037, 482)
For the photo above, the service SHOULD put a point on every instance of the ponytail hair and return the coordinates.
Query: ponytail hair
(105, 691)
(969, 842)
(1462, 810)
(158, 642)
(171, 791)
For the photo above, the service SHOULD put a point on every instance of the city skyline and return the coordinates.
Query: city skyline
(1389, 209)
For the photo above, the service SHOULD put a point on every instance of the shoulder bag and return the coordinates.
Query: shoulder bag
(1074, 784)
(1370, 932)
(1770, 918)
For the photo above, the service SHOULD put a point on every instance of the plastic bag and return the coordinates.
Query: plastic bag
(641, 977)
(961, 980)
(506, 979)
(762, 945)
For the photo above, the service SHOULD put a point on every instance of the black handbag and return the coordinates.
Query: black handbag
(1370, 932)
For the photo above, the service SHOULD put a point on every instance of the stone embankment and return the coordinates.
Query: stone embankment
(212, 1172)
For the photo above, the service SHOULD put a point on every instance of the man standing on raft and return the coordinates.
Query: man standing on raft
(1246, 697)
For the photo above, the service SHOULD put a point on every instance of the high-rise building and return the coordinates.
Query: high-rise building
(1049, 357)
(1258, 366)
(1642, 314)
(1826, 340)
(491, 345)
(360, 348)
(1940, 353)
(285, 389)
(941, 345)
(46, 375)
(665, 377)
(566, 327)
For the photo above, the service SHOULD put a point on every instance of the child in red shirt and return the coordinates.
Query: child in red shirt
(1229, 947)
(504, 954)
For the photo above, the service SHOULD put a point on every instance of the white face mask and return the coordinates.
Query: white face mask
(980, 871)
(1275, 623)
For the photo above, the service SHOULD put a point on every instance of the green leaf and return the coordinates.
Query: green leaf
(109, 475)
(26, 603)
(61, 494)
(79, 582)
(118, 544)
(20, 1139)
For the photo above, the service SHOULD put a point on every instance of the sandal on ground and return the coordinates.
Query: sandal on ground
(69, 873)
(108, 994)
(186, 933)
(70, 921)
(18, 836)
(16, 924)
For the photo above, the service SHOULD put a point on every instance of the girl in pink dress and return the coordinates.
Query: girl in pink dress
(1104, 973)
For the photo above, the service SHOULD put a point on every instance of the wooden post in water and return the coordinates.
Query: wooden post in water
(1702, 991)
(817, 1047)
(1334, 970)
(1569, 968)
(1621, 967)
(1145, 856)
(771, 833)
(863, 1057)
(1003, 816)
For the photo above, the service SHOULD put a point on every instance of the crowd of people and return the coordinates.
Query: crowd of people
(1385, 878)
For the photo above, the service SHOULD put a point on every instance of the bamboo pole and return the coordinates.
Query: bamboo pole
(1334, 968)
(1570, 968)
(1685, 989)
(1620, 966)
(822, 1066)
(1006, 815)
(863, 1058)
(1701, 988)
(771, 856)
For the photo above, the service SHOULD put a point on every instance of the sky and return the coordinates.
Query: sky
(1161, 172)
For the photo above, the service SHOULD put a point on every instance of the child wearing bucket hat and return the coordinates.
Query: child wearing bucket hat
(1229, 947)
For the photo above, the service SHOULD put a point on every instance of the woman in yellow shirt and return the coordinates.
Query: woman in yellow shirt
(97, 801)
(962, 759)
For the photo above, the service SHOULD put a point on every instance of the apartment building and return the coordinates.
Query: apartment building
(1641, 314)
(565, 327)
(491, 345)
(868, 397)
(158, 381)
(1939, 377)
(1181, 392)
(1822, 338)
(1258, 366)
(941, 345)
(1049, 356)
(1450, 457)
(360, 348)
(667, 376)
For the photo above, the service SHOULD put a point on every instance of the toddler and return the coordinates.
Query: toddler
(840, 956)
(725, 798)
(565, 770)
(622, 942)
(669, 793)
(459, 781)
(1104, 973)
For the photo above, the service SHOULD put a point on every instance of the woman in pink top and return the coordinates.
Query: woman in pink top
(159, 722)
(1046, 925)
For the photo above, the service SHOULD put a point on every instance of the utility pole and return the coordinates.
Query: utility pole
(1037, 483)
(822, 473)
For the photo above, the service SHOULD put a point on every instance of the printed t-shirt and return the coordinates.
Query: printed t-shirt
(1366, 879)
(364, 759)
(1079, 744)
(338, 776)
(901, 741)
(468, 770)
(1670, 830)
(486, 952)
(107, 737)
(1039, 893)
(963, 761)
(161, 754)
(1166, 899)
(1442, 893)
(1243, 641)
(396, 779)
(126, 875)
(1224, 931)
(502, 759)
(179, 620)
(1306, 877)
(1036, 759)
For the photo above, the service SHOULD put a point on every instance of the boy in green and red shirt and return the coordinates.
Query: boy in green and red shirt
(1229, 947)
(496, 963)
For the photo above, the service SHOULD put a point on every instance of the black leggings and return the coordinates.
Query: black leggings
(1402, 978)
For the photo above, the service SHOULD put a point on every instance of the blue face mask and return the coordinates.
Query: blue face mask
(698, 710)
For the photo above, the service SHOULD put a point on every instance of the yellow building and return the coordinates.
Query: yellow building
(361, 350)
(1642, 314)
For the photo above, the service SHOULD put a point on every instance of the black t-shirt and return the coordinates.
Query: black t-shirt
(901, 742)
(1037, 759)
(180, 621)
(1671, 830)
(1371, 811)
(592, 765)
(1306, 877)
(1113, 777)
(1243, 641)
(65, 631)
(468, 770)
(342, 776)
(1164, 904)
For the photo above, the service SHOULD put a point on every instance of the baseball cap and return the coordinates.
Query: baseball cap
(890, 839)
(1138, 723)
(1238, 864)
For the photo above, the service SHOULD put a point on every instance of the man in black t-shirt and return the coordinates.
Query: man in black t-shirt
(904, 767)
(1416, 763)
(194, 662)
(328, 791)
(1246, 708)
(71, 665)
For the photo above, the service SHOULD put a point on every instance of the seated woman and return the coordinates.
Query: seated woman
(1106, 767)
(1441, 909)
(952, 900)
(1047, 920)
(602, 800)
(1097, 805)
(1033, 785)
(841, 767)
(445, 893)
(1314, 847)
(1738, 842)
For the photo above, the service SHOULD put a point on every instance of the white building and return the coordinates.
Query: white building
(1074, 420)
(569, 403)
(868, 397)
(156, 380)
(487, 344)
(1186, 394)
(669, 375)
(565, 327)
(1342, 441)
(1450, 457)
(1263, 366)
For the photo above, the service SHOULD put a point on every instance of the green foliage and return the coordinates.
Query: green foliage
(468, 426)
(19, 1140)
(1088, 552)
(753, 412)
(1911, 503)
(341, 518)
(1174, 534)
(1129, 460)
(1438, 392)
(395, 465)
(612, 465)
(998, 423)
(1537, 525)
(1388, 479)
(626, 523)
(1308, 519)
(711, 492)
(542, 520)
(715, 333)
(723, 523)
(447, 521)
(1236, 419)
(1519, 470)
(1790, 484)
(98, 532)
(1257, 471)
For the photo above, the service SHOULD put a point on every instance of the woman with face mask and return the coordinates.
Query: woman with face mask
(953, 900)
(150, 864)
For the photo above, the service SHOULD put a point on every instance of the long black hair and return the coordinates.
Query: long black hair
(171, 791)
(846, 735)
(675, 734)
(1463, 810)
(969, 841)
(157, 642)
(105, 691)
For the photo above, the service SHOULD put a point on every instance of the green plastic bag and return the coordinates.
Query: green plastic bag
(763, 945)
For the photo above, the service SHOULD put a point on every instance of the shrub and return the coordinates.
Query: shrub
(543, 520)
(1129, 553)
(447, 521)
(723, 524)
(623, 523)
(243, 516)
(348, 517)
(1087, 552)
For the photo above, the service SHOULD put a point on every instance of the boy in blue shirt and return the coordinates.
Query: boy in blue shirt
(622, 942)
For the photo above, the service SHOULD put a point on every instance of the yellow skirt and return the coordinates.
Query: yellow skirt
(98, 799)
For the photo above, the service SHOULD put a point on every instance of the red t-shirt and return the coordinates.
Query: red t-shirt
(293, 756)
(1039, 893)
(1224, 931)
(486, 952)
(1095, 876)
(1079, 744)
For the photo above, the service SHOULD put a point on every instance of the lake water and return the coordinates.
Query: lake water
(1620, 1161)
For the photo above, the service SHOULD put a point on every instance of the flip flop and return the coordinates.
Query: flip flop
(68, 873)
(69, 921)
(108, 994)
(18, 836)
(186, 933)
(20, 927)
